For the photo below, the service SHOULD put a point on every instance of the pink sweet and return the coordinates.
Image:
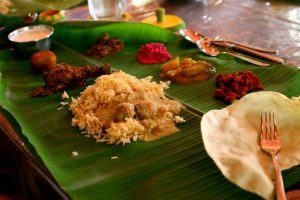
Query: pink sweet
(153, 53)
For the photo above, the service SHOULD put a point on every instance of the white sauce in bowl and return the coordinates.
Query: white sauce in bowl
(31, 35)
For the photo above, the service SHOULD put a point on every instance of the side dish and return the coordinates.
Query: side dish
(153, 53)
(234, 86)
(64, 76)
(31, 33)
(105, 46)
(5, 6)
(30, 39)
(187, 70)
(119, 108)
(43, 61)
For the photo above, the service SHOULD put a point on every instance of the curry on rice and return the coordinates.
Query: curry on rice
(119, 108)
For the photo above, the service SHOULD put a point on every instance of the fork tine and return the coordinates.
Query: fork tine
(270, 121)
(270, 125)
(276, 132)
(266, 126)
(262, 126)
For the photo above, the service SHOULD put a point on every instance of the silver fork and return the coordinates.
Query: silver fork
(270, 143)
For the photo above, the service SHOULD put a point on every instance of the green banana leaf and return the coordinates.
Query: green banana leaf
(174, 167)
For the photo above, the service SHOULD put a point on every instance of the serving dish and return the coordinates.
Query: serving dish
(30, 39)
(175, 167)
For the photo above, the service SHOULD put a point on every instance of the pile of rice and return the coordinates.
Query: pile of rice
(95, 109)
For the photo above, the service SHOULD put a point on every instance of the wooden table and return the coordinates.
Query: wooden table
(274, 24)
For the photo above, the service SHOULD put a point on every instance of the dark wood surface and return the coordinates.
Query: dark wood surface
(273, 24)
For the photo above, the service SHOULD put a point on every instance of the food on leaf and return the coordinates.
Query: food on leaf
(187, 70)
(236, 85)
(153, 53)
(105, 46)
(65, 76)
(5, 6)
(43, 61)
(50, 16)
(119, 108)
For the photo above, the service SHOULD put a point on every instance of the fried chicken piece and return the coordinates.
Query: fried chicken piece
(41, 91)
(124, 110)
(145, 109)
(65, 76)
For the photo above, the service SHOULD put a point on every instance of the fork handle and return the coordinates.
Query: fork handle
(280, 193)
(260, 49)
(255, 62)
(251, 52)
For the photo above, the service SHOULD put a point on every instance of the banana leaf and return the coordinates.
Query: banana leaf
(174, 167)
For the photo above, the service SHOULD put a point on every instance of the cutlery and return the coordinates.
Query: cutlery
(206, 47)
(194, 37)
(248, 46)
(185, 32)
(270, 143)
(250, 51)
(212, 50)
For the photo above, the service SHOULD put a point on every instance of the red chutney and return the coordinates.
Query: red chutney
(236, 85)
(153, 53)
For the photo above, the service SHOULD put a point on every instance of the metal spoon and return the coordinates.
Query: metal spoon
(195, 36)
(225, 43)
(206, 47)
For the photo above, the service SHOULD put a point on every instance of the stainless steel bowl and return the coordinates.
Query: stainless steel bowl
(30, 39)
